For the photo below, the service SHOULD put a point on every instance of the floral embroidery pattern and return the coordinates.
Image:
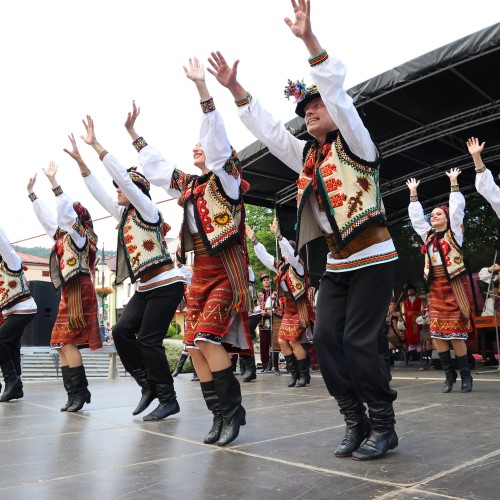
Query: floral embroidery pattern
(222, 218)
(148, 245)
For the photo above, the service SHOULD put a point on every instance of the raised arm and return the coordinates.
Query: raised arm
(457, 205)
(93, 185)
(119, 174)
(286, 249)
(281, 143)
(260, 250)
(329, 75)
(415, 210)
(8, 254)
(44, 215)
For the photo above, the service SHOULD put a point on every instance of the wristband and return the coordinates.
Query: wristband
(480, 170)
(413, 197)
(322, 56)
(103, 154)
(139, 143)
(455, 188)
(33, 197)
(57, 190)
(243, 101)
(85, 173)
(207, 105)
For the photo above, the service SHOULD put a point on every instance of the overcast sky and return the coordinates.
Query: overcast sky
(62, 60)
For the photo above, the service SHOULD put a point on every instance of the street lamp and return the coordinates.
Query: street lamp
(102, 265)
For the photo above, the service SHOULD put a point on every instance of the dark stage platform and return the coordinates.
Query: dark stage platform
(449, 445)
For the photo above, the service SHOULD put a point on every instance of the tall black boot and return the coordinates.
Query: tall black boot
(451, 374)
(463, 365)
(180, 364)
(79, 383)
(357, 425)
(243, 365)
(233, 413)
(292, 368)
(67, 386)
(212, 401)
(251, 369)
(168, 403)
(304, 375)
(13, 385)
(148, 393)
(382, 437)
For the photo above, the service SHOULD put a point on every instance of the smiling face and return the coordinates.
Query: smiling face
(438, 219)
(121, 199)
(199, 157)
(318, 120)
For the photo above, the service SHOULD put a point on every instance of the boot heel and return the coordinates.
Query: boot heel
(243, 420)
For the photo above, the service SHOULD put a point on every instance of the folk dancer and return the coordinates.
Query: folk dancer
(72, 267)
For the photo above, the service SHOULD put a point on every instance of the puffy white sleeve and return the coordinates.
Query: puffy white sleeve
(45, 217)
(457, 212)
(486, 187)
(102, 196)
(9, 255)
(289, 254)
(420, 225)
(267, 259)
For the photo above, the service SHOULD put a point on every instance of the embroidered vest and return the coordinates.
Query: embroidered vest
(219, 219)
(295, 284)
(141, 246)
(345, 187)
(67, 261)
(13, 286)
(450, 253)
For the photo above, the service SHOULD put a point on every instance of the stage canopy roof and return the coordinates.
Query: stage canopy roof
(420, 114)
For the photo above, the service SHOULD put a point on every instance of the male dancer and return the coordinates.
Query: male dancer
(339, 198)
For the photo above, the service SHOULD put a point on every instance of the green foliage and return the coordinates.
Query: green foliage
(173, 331)
(173, 353)
(37, 251)
(259, 219)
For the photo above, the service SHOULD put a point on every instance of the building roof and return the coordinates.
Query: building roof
(33, 259)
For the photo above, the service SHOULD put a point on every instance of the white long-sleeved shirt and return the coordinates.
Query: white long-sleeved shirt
(14, 263)
(329, 77)
(287, 252)
(144, 205)
(486, 187)
(217, 149)
(422, 227)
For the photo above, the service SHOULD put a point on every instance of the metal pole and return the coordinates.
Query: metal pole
(102, 294)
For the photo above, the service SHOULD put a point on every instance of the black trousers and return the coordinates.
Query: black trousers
(350, 314)
(140, 331)
(11, 332)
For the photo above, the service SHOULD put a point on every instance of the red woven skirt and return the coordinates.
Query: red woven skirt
(210, 307)
(448, 321)
(291, 327)
(87, 333)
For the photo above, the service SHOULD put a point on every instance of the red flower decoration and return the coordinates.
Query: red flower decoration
(148, 245)
(12, 284)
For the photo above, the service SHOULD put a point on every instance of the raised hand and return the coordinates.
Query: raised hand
(74, 153)
(31, 183)
(250, 233)
(453, 174)
(474, 147)
(90, 138)
(132, 117)
(196, 72)
(274, 227)
(51, 170)
(412, 185)
(301, 27)
(225, 75)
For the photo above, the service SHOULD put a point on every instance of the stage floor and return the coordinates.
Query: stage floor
(449, 445)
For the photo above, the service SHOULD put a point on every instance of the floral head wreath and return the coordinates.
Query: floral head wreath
(302, 95)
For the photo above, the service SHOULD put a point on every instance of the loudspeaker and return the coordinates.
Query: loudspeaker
(47, 301)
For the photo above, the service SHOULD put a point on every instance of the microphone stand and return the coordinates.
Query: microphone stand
(495, 369)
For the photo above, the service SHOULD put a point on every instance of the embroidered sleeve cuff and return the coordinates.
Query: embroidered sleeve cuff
(85, 173)
(33, 197)
(455, 188)
(57, 190)
(480, 170)
(103, 154)
(207, 105)
(139, 143)
(321, 57)
(413, 197)
(243, 101)
(255, 241)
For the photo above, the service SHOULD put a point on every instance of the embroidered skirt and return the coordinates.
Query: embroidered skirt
(211, 313)
(449, 311)
(77, 321)
(291, 327)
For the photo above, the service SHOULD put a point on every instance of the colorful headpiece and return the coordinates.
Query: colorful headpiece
(139, 180)
(263, 276)
(83, 215)
(302, 95)
(446, 211)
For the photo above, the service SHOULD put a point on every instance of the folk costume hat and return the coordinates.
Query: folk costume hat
(139, 180)
(302, 95)
(263, 276)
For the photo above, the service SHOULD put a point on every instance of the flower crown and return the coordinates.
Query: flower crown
(138, 178)
(299, 90)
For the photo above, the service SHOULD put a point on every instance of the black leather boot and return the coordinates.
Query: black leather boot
(304, 375)
(79, 383)
(251, 369)
(463, 365)
(382, 437)
(451, 374)
(292, 368)
(179, 366)
(212, 401)
(233, 413)
(168, 403)
(357, 425)
(243, 365)
(67, 386)
(148, 393)
(13, 384)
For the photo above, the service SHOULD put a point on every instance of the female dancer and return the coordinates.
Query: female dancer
(218, 301)
(72, 262)
(292, 290)
(451, 317)
(142, 255)
(18, 310)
